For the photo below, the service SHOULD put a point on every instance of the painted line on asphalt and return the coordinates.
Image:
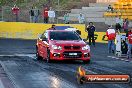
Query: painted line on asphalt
(1, 84)
(12, 55)
(6, 55)
(122, 59)
(127, 60)
(119, 59)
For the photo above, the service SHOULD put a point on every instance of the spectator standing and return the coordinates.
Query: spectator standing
(45, 14)
(110, 8)
(36, 14)
(66, 18)
(111, 34)
(129, 37)
(15, 11)
(31, 12)
(119, 23)
(51, 15)
(81, 18)
(52, 27)
(91, 29)
(125, 25)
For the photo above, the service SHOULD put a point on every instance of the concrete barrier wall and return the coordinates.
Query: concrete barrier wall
(29, 30)
(32, 30)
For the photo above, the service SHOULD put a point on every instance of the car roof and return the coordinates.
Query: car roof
(58, 30)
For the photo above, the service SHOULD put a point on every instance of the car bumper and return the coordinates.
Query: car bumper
(59, 55)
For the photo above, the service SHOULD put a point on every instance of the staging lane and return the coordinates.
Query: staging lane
(65, 71)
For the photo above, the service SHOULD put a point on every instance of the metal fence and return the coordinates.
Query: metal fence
(0, 14)
(24, 16)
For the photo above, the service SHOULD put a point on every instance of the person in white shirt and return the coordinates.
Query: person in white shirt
(111, 34)
(51, 15)
(81, 18)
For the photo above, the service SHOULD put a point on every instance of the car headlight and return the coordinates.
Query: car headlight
(86, 47)
(55, 47)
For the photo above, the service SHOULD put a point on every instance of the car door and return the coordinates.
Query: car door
(39, 46)
(44, 44)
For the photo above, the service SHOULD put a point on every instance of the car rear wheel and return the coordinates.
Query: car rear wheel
(86, 62)
(48, 56)
(38, 57)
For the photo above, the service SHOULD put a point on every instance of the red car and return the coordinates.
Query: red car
(62, 45)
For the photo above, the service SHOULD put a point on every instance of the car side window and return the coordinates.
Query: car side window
(44, 36)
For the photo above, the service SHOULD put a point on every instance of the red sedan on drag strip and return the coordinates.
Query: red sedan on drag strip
(62, 45)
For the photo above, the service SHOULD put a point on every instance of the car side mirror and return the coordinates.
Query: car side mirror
(78, 31)
(44, 39)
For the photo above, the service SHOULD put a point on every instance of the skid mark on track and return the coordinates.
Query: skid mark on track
(42, 77)
(66, 68)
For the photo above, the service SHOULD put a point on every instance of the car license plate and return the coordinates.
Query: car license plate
(73, 54)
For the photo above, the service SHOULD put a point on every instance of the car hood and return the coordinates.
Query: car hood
(73, 42)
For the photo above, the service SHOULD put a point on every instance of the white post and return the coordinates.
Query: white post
(118, 45)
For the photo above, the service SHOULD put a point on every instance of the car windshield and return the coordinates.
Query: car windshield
(68, 35)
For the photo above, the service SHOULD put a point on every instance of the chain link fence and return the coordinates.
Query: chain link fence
(24, 16)
(0, 14)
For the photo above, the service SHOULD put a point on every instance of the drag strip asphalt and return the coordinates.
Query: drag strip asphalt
(18, 59)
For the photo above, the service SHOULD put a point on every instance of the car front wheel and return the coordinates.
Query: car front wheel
(48, 56)
(38, 57)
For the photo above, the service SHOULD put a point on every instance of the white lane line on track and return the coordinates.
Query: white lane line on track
(117, 58)
(12, 55)
(6, 55)
(120, 59)
(113, 57)
(1, 84)
(127, 60)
